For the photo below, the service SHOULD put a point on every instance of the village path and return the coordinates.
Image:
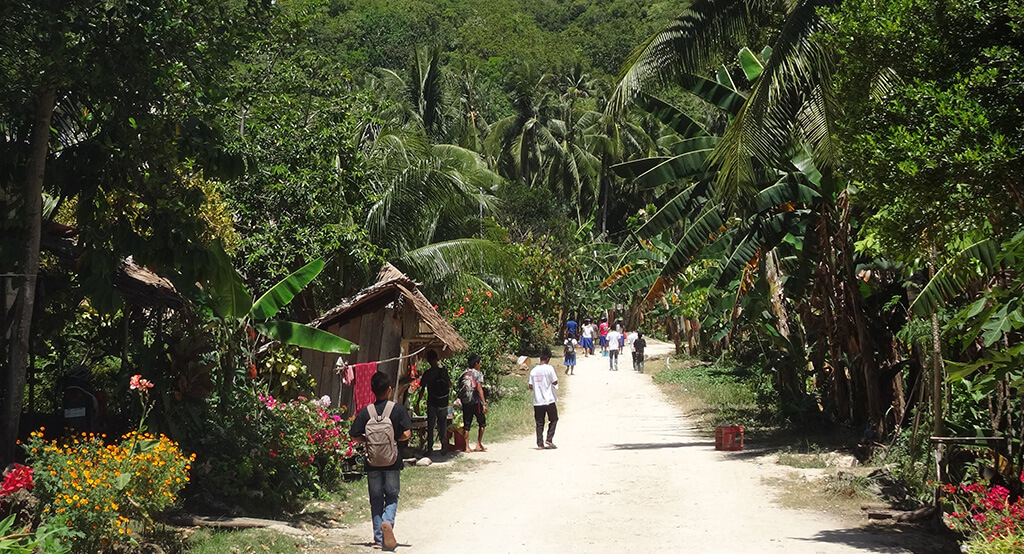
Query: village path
(629, 475)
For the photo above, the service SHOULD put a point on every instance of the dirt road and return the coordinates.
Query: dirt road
(628, 476)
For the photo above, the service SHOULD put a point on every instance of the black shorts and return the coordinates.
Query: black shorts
(469, 411)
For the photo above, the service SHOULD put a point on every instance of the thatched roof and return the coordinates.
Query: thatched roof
(393, 285)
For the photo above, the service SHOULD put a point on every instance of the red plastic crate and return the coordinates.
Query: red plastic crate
(729, 437)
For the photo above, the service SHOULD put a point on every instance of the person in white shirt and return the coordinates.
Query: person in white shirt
(587, 342)
(614, 337)
(543, 382)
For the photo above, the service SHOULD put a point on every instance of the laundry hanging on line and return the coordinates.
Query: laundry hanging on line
(362, 393)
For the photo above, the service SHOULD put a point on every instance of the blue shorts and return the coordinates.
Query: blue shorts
(587, 343)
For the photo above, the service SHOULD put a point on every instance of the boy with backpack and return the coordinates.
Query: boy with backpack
(380, 426)
(438, 385)
(570, 354)
(471, 394)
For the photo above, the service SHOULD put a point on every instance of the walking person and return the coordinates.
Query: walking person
(570, 354)
(639, 344)
(381, 426)
(587, 340)
(474, 405)
(571, 327)
(613, 349)
(438, 385)
(543, 382)
(602, 329)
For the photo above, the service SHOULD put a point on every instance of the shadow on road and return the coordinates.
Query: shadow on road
(890, 538)
(656, 445)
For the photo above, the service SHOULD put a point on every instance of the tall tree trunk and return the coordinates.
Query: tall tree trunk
(14, 382)
(938, 424)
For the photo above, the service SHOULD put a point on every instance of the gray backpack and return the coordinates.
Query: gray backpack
(381, 448)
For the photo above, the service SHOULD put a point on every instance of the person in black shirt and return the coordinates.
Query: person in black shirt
(383, 482)
(438, 385)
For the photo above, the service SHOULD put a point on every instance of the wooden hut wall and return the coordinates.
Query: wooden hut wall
(379, 336)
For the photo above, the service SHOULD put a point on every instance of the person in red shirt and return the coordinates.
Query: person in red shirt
(603, 330)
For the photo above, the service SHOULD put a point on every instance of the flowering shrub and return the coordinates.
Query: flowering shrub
(984, 514)
(274, 451)
(488, 329)
(97, 488)
(306, 431)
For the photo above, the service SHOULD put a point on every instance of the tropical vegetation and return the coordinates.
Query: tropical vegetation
(823, 193)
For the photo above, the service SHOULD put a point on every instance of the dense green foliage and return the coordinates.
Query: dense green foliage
(828, 193)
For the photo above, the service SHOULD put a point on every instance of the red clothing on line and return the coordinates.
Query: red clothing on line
(363, 393)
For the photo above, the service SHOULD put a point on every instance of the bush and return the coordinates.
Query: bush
(486, 328)
(96, 488)
(272, 451)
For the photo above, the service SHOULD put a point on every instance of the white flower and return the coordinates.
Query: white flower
(325, 401)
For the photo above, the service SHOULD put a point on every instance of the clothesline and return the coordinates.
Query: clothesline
(341, 364)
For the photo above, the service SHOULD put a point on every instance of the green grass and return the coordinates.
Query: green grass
(206, 541)
(815, 459)
(718, 395)
(512, 415)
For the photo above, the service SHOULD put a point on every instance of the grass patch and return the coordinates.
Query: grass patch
(840, 492)
(816, 459)
(205, 541)
(715, 395)
(511, 416)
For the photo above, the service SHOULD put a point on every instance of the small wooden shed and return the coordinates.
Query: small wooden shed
(391, 321)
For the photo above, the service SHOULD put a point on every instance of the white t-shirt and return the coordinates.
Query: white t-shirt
(588, 331)
(613, 340)
(544, 381)
(630, 339)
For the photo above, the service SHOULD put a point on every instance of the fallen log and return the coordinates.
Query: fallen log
(911, 516)
(188, 520)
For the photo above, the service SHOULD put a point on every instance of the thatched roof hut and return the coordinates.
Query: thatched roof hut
(393, 324)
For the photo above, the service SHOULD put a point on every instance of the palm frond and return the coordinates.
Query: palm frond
(687, 44)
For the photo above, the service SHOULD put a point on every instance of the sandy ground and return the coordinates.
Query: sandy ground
(629, 475)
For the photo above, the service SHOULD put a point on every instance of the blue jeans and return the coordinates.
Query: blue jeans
(384, 486)
(613, 360)
(437, 418)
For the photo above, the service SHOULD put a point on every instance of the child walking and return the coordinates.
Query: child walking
(570, 354)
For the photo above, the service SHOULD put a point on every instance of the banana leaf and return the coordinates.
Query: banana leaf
(283, 292)
(304, 336)
(671, 116)
(951, 279)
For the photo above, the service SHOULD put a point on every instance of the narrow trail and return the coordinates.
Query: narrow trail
(629, 475)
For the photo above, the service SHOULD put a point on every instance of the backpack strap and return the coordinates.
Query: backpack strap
(371, 410)
(387, 410)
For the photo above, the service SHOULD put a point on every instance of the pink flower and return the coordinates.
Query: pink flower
(138, 383)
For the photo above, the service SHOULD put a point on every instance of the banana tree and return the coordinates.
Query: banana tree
(233, 303)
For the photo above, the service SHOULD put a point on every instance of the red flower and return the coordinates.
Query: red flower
(252, 371)
(488, 293)
(16, 479)
(138, 383)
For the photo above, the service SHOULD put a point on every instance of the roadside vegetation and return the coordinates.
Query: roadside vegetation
(825, 194)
